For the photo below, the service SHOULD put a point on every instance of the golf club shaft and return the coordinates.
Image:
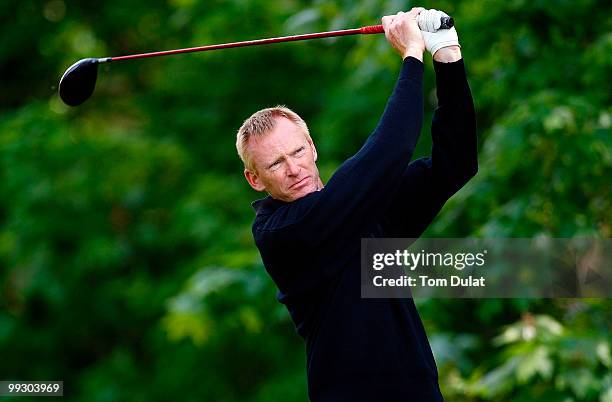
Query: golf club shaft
(372, 29)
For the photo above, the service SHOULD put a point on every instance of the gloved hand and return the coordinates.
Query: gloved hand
(435, 38)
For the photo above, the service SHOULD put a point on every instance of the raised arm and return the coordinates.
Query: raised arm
(427, 183)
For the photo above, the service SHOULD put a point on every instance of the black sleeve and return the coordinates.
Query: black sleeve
(427, 183)
(357, 188)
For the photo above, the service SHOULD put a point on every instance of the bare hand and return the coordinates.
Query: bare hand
(403, 33)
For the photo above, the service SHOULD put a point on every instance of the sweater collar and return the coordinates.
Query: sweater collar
(267, 205)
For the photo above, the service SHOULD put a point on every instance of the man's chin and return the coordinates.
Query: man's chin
(302, 192)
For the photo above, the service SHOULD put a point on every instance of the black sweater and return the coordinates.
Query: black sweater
(370, 350)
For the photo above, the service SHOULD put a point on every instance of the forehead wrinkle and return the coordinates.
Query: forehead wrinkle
(264, 150)
(273, 147)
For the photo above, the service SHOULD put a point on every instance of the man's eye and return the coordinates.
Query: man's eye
(274, 165)
(299, 151)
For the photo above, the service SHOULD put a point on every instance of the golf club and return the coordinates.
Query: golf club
(79, 81)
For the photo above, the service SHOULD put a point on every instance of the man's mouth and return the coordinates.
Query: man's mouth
(299, 183)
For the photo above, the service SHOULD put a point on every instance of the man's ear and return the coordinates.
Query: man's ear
(254, 180)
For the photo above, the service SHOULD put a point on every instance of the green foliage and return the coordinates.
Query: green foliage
(127, 266)
(542, 360)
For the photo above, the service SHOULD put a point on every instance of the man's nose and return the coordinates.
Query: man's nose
(293, 169)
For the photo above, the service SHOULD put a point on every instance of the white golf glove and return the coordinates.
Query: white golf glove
(435, 38)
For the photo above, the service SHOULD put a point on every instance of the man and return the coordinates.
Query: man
(308, 234)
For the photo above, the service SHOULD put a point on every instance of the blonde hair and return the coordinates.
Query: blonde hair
(260, 123)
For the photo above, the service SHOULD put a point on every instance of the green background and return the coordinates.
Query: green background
(127, 266)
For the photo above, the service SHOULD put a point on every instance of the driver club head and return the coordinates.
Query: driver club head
(78, 82)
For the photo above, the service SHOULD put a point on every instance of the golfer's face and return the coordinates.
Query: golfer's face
(284, 161)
